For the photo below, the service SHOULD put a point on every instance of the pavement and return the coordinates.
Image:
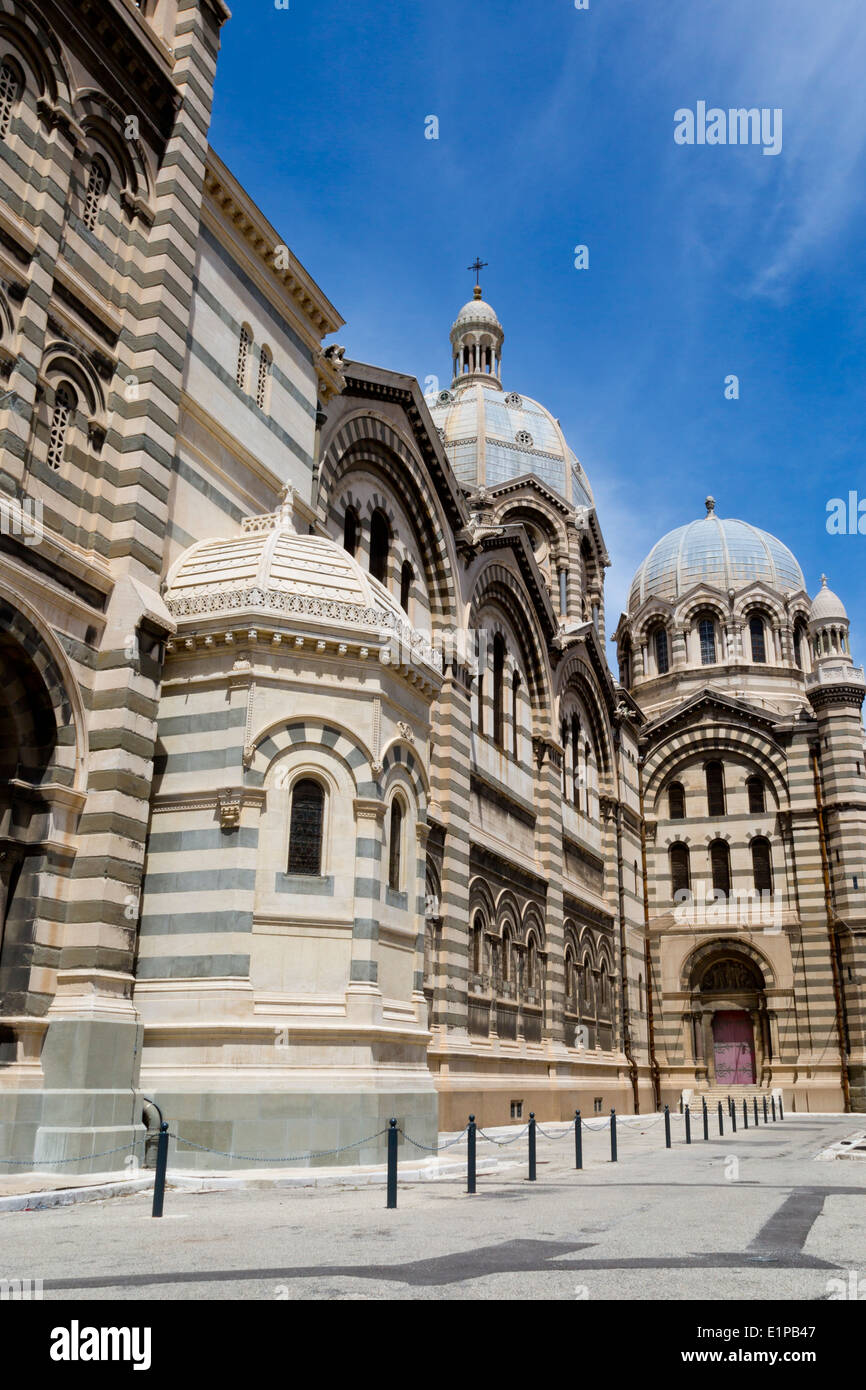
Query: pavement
(754, 1215)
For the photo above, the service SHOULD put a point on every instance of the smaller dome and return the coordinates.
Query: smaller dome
(827, 606)
(476, 311)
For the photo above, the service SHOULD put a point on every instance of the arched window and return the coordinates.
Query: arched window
(515, 716)
(10, 92)
(603, 992)
(477, 943)
(720, 864)
(587, 758)
(575, 760)
(681, 876)
(757, 800)
(531, 963)
(756, 633)
(715, 789)
(506, 955)
(563, 738)
(801, 643)
(707, 635)
(762, 865)
(350, 530)
(395, 844)
(625, 664)
(498, 676)
(586, 990)
(676, 801)
(305, 834)
(640, 994)
(64, 405)
(380, 544)
(245, 342)
(479, 723)
(97, 182)
(265, 361)
(570, 979)
(407, 574)
(662, 654)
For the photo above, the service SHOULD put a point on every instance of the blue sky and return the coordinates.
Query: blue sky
(556, 129)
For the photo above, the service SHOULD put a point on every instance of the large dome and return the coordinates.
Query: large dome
(723, 553)
(491, 435)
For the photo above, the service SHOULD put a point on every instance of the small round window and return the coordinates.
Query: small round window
(444, 398)
(524, 439)
(513, 399)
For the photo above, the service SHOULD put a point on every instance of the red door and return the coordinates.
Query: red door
(734, 1048)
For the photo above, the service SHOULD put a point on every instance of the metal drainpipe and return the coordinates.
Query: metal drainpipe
(831, 928)
(654, 1066)
(626, 1030)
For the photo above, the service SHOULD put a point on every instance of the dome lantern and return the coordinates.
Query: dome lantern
(476, 343)
(828, 627)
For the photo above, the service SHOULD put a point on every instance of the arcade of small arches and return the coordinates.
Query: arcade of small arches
(707, 638)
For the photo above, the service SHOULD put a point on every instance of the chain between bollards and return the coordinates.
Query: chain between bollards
(470, 1156)
(578, 1141)
(393, 1140)
(532, 1146)
(667, 1128)
(613, 1136)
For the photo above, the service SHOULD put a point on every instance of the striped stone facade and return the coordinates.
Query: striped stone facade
(232, 561)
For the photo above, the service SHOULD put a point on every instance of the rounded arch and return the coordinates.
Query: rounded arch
(271, 742)
(105, 126)
(24, 32)
(575, 676)
(385, 453)
(497, 587)
(481, 900)
(399, 754)
(20, 625)
(714, 742)
(533, 925)
(63, 361)
(696, 962)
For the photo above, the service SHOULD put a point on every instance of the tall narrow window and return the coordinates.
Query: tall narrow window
(498, 680)
(350, 530)
(563, 738)
(64, 405)
(757, 799)
(681, 878)
(305, 834)
(625, 664)
(715, 789)
(10, 91)
(575, 761)
(707, 634)
(395, 844)
(515, 716)
(720, 864)
(662, 656)
(759, 645)
(407, 574)
(97, 182)
(245, 342)
(265, 361)
(506, 955)
(531, 963)
(801, 643)
(587, 757)
(477, 943)
(676, 801)
(762, 865)
(380, 544)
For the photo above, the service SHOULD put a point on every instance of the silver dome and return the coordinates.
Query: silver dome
(723, 553)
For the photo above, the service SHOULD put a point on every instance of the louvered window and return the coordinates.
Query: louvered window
(10, 90)
(96, 184)
(64, 404)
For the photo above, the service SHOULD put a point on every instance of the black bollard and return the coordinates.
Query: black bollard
(667, 1128)
(688, 1115)
(721, 1121)
(755, 1103)
(745, 1116)
(613, 1136)
(393, 1140)
(470, 1156)
(773, 1104)
(532, 1146)
(161, 1165)
(706, 1120)
(781, 1108)
(578, 1141)
(733, 1117)
(764, 1099)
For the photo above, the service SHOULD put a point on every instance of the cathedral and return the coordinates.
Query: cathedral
(319, 802)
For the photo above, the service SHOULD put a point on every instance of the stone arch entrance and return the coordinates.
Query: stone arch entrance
(731, 1031)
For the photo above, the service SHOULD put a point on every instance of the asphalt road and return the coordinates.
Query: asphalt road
(747, 1216)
